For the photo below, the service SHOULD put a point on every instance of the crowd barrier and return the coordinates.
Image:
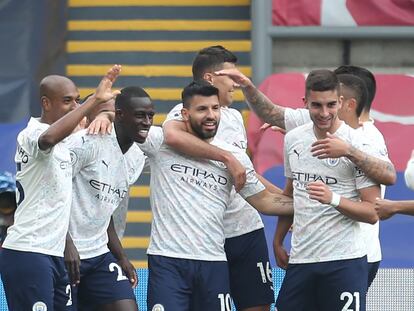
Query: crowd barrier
(392, 290)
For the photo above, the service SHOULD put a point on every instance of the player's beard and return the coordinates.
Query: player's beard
(198, 129)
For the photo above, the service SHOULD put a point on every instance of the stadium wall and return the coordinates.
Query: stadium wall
(33, 45)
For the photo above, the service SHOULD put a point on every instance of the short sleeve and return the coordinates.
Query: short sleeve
(372, 146)
(253, 184)
(174, 114)
(84, 149)
(153, 142)
(409, 174)
(239, 118)
(29, 142)
(361, 180)
(288, 171)
(295, 118)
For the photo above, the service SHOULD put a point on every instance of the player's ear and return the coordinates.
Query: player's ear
(352, 104)
(46, 103)
(340, 101)
(184, 113)
(209, 77)
(305, 102)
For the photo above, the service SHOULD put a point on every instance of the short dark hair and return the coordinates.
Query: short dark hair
(321, 80)
(197, 88)
(211, 59)
(365, 75)
(357, 87)
(123, 99)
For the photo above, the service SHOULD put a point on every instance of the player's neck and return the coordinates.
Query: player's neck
(321, 133)
(222, 105)
(124, 141)
(44, 118)
(364, 116)
(352, 121)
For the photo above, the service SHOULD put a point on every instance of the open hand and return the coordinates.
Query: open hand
(237, 76)
(129, 270)
(330, 147)
(104, 90)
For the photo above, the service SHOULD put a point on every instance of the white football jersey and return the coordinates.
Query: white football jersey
(376, 147)
(44, 184)
(188, 199)
(101, 179)
(409, 174)
(135, 161)
(321, 233)
(295, 118)
(240, 217)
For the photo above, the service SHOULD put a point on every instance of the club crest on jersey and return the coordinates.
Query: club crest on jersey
(158, 307)
(73, 157)
(39, 306)
(332, 161)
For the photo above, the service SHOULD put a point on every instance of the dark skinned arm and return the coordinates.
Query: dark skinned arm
(117, 250)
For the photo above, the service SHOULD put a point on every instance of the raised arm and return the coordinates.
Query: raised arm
(381, 171)
(177, 137)
(266, 110)
(65, 125)
(363, 210)
(101, 120)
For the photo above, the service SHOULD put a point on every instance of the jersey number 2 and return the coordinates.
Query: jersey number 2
(121, 276)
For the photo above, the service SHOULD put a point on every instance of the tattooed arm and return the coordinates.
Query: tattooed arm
(263, 107)
(271, 203)
(268, 111)
(378, 170)
(381, 171)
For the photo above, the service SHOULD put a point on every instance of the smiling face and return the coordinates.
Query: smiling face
(136, 118)
(323, 109)
(203, 116)
(59, 97)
